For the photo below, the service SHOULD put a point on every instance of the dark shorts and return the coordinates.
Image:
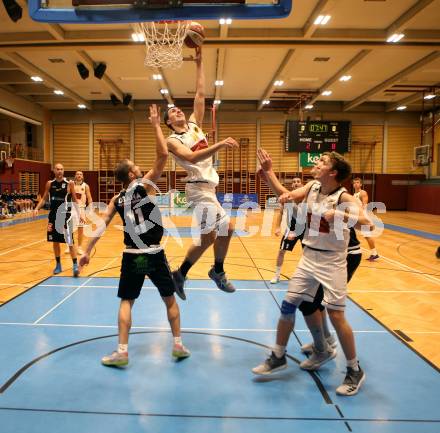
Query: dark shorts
(308, 308)
(64, 237)
(288, 244)
(135, 267)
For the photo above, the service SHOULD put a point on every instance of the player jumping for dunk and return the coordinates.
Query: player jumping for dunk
(189, 146)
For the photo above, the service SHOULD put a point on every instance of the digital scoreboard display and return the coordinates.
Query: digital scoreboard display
(317, 136)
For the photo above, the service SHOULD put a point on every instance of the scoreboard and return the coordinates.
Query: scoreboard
(317, 136)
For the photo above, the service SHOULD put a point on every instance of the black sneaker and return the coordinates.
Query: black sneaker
(221, 280)
(179, 281)
(352, 382)
(271, 365)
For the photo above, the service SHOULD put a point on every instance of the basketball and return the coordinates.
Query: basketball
(195, 35)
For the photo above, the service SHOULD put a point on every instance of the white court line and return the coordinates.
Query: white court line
(417, 271)
(23, 246)
(273, 289)
(206, 289)
(155, 328)
(72, 293)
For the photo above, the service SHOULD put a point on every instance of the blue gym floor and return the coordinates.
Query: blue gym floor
(51, 379)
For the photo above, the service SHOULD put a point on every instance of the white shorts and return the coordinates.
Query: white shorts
(328, 268)
(207, 211)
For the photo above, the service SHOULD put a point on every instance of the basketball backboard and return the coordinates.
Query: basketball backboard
(125, 11)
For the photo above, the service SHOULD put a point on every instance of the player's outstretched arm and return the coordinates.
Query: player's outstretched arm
(43, 198)
(183, 152)
(161, 146)
(199, 99)
(107, 217)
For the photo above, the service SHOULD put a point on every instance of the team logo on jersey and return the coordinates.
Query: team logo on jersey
(63, 186)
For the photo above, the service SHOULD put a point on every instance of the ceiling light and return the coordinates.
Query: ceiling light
(171, 105)
(322, 20)
(219, 82)
(164, 91)
(225, 21)
(278, 83)
(308, 106)
(58, 92)
(82, 106)
(138, 37)
(326, 93)
(36, 78)
(345, 78)
(430, 96)
(217, 101)
(157, 77)
(265, 102)
(396, 37)
(401, 107)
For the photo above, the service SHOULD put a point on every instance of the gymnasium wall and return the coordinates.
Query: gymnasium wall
(382, 144)
(11, 175)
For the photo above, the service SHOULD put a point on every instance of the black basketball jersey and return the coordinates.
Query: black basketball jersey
(353, 243)
(58, 193)
(141, 217)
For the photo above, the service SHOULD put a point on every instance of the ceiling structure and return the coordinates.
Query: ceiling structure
(249, 56)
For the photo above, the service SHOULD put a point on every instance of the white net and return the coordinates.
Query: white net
(164, 43)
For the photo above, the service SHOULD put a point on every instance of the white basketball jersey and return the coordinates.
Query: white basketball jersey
(357, 195)
(194, 139)
(321, 234)
(80, 192)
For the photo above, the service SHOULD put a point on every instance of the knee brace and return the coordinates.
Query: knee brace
(288, 311)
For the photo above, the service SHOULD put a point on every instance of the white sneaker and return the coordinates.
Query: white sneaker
(317, 359)
(309, 347)
(275, 280)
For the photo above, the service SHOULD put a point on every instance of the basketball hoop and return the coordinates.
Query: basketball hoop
(164, 42)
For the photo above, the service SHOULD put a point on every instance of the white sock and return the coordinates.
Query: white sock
(279, 350)
(122, 348)
(374, 252)
(353, 363)
(178, 340)
(278, 271)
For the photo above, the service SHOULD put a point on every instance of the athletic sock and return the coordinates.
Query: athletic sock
(279, 350)
(374, 252)
(278, 271)
(178, 340)
(75, 261)
(353, 363)
(218, 267)
(185, 267)
(58, 259)
(122, 348)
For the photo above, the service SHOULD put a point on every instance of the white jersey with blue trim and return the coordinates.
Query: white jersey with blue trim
(194, 139)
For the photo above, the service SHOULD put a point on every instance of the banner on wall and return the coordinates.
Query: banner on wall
(179, 199)
(163, 200)
(236, 199)
(272, 202)
(308, 159)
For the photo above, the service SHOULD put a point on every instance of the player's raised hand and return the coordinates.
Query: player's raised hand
(230, 142)
(198, 57)
(265, 159)
(154, 117)
(285, 198)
